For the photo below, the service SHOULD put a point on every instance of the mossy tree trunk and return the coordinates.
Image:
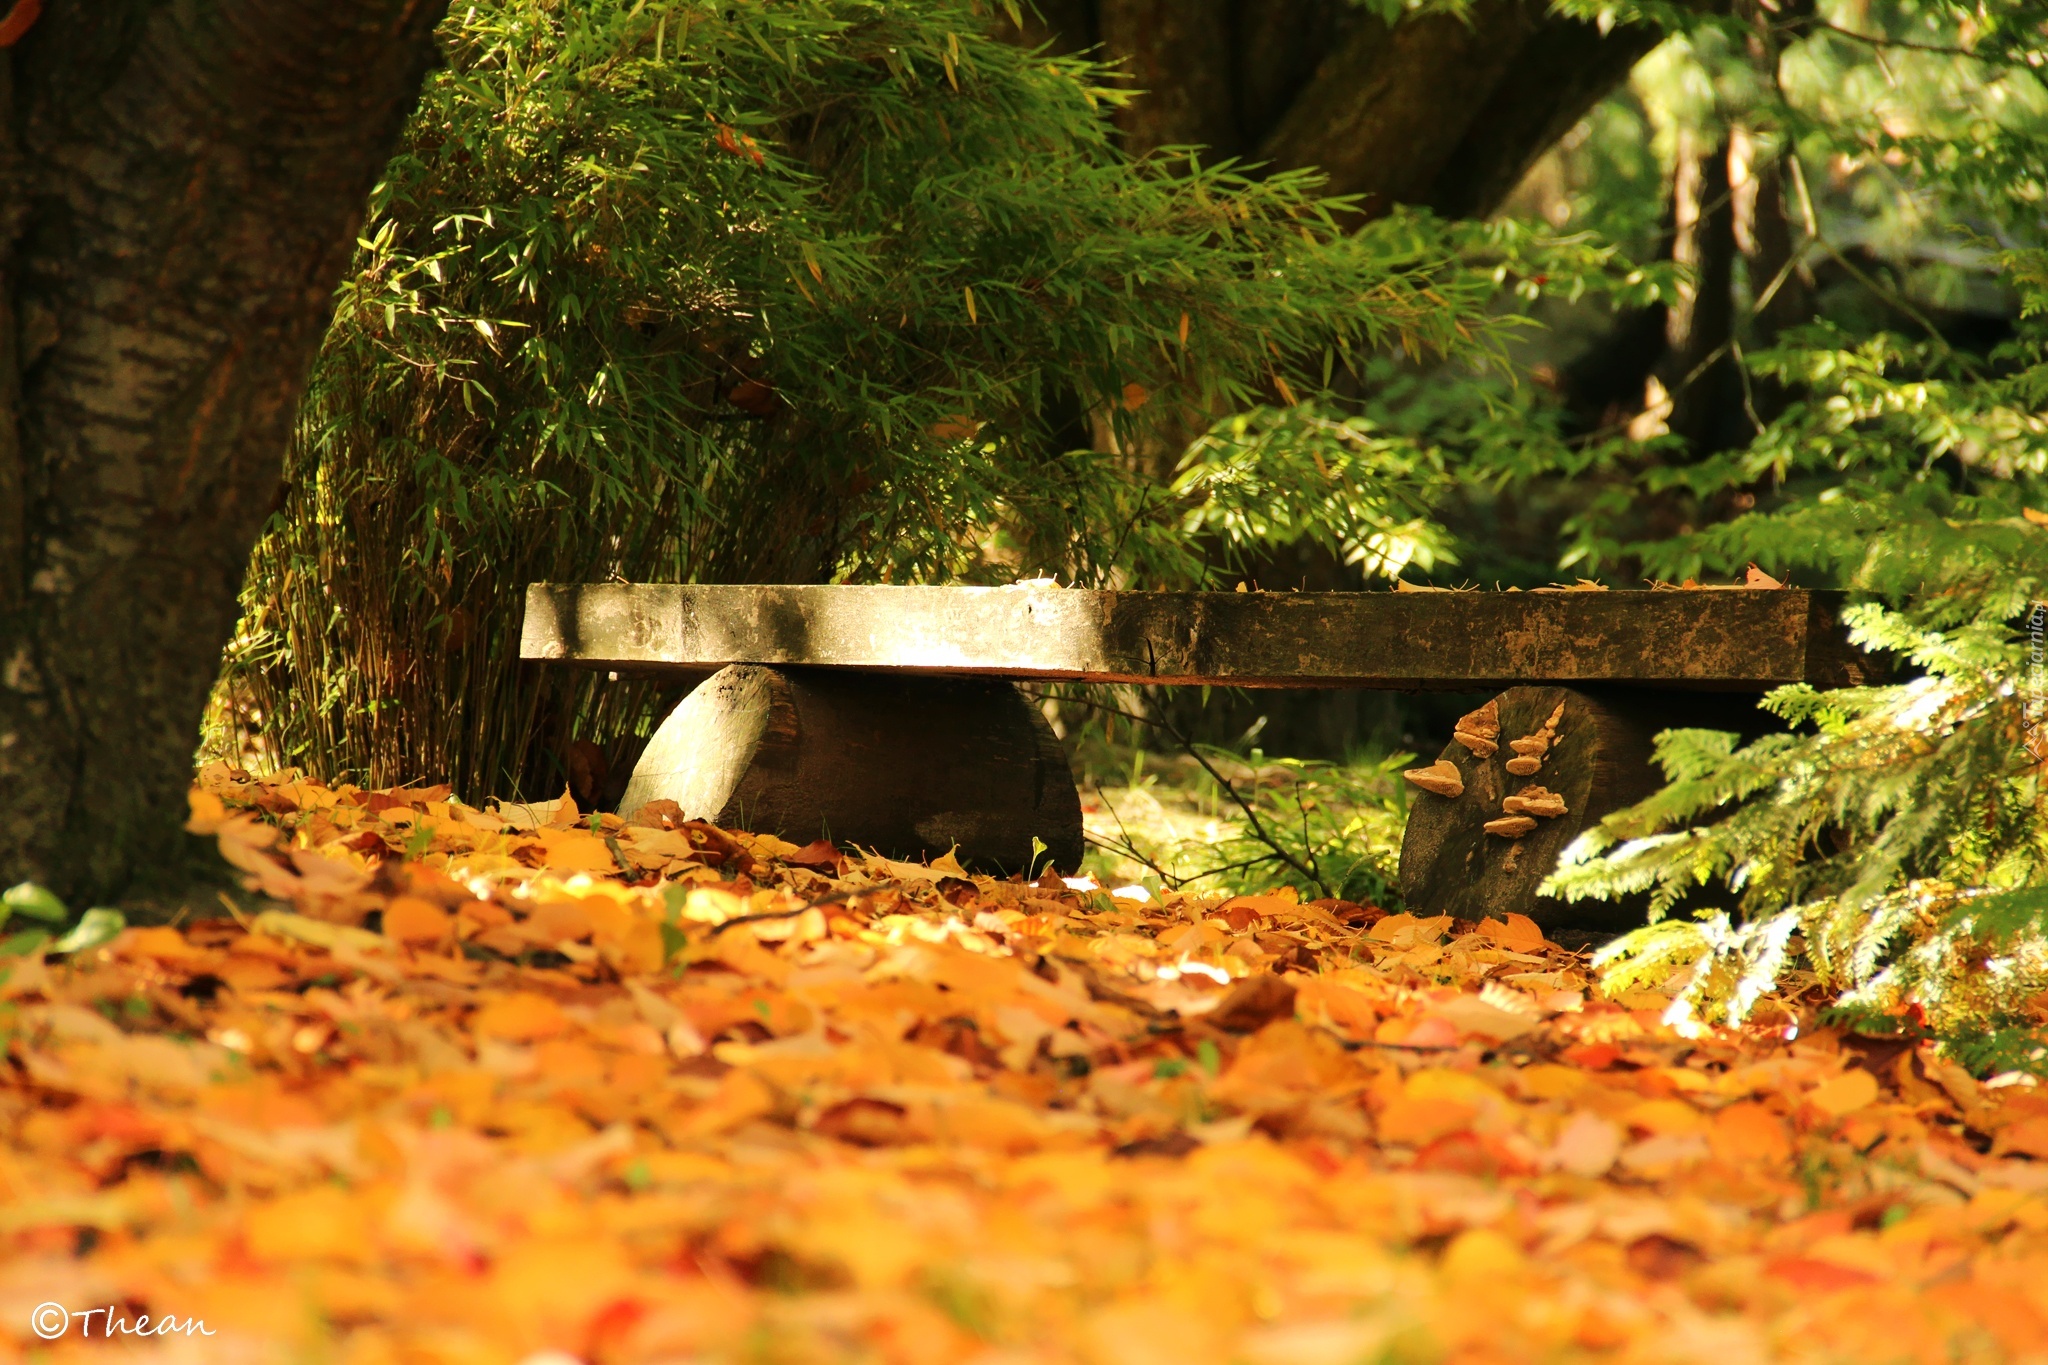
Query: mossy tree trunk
(180, 188)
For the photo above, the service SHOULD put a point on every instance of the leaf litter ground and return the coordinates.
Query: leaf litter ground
(520, 1085)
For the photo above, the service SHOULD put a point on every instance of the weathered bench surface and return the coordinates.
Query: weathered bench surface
(1731, 639)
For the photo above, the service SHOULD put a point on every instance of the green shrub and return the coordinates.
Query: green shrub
(803, 291)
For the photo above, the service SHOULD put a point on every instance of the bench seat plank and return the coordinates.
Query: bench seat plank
(1723, 639)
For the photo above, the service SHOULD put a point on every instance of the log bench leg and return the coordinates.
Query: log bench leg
(1601, 761)
(907, 766)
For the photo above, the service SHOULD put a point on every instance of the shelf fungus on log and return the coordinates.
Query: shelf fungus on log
(1441, 777)
(1599, 760)
(1479, 731)
(1510, 826)
(1531, 748)
(1534, 800)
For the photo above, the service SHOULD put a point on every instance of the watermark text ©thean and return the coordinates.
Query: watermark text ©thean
(52, 1320)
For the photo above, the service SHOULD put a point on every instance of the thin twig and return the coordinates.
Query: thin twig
(1899, 302)
(1126, 849)
(1258, 826)
(1748, 391)
(1131, 852)
(837, 898)
(1880, 42)
(1308, 843)
(1130, 845)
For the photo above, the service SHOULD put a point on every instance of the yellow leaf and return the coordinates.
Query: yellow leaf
(1418, 1122)
(1470, 1014)
(636, 952)
(969, 293)
(1845, 1094)
(324, 1222)
(1482, 1256)
(740, 1096)
(209, 812)
(1748, 1132)
(575, 850)
(1665, 1118)
(318, 932)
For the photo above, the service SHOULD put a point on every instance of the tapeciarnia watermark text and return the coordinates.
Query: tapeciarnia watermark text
(52, 1320)
(2036, 701)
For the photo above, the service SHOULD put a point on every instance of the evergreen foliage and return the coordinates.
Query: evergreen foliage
(1896, 851)
(1892, 851)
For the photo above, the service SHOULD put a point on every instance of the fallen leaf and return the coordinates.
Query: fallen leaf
(1844, 1094)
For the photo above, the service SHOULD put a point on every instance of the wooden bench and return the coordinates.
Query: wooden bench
(886, 716)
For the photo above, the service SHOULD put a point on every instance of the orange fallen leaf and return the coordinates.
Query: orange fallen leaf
(1749, 1132)
(520, 1017)
(408, 919)
(1518, 932)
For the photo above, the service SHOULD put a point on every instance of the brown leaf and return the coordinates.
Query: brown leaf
(959, 426)
(1658, 1257)
(753, 396)
(819, 853)
(660, 813)
(1253, 1003)
(865, 1122)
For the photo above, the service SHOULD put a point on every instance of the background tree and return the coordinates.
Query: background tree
(180, 186)
(1445, 109)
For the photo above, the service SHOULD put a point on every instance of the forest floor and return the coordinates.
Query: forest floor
(490, 1086)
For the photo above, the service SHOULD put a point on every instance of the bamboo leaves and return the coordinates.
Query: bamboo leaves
(557, 354)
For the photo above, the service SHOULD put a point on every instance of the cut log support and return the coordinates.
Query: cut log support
(1598, 762)
(908, 767)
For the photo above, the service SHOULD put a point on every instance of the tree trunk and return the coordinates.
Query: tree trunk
(1774, 270)
(1439, 110)
(183, 187)
(1701, 373)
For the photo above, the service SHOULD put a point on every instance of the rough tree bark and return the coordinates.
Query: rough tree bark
(1700, 371)
(181, 188)
(1437, 110)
